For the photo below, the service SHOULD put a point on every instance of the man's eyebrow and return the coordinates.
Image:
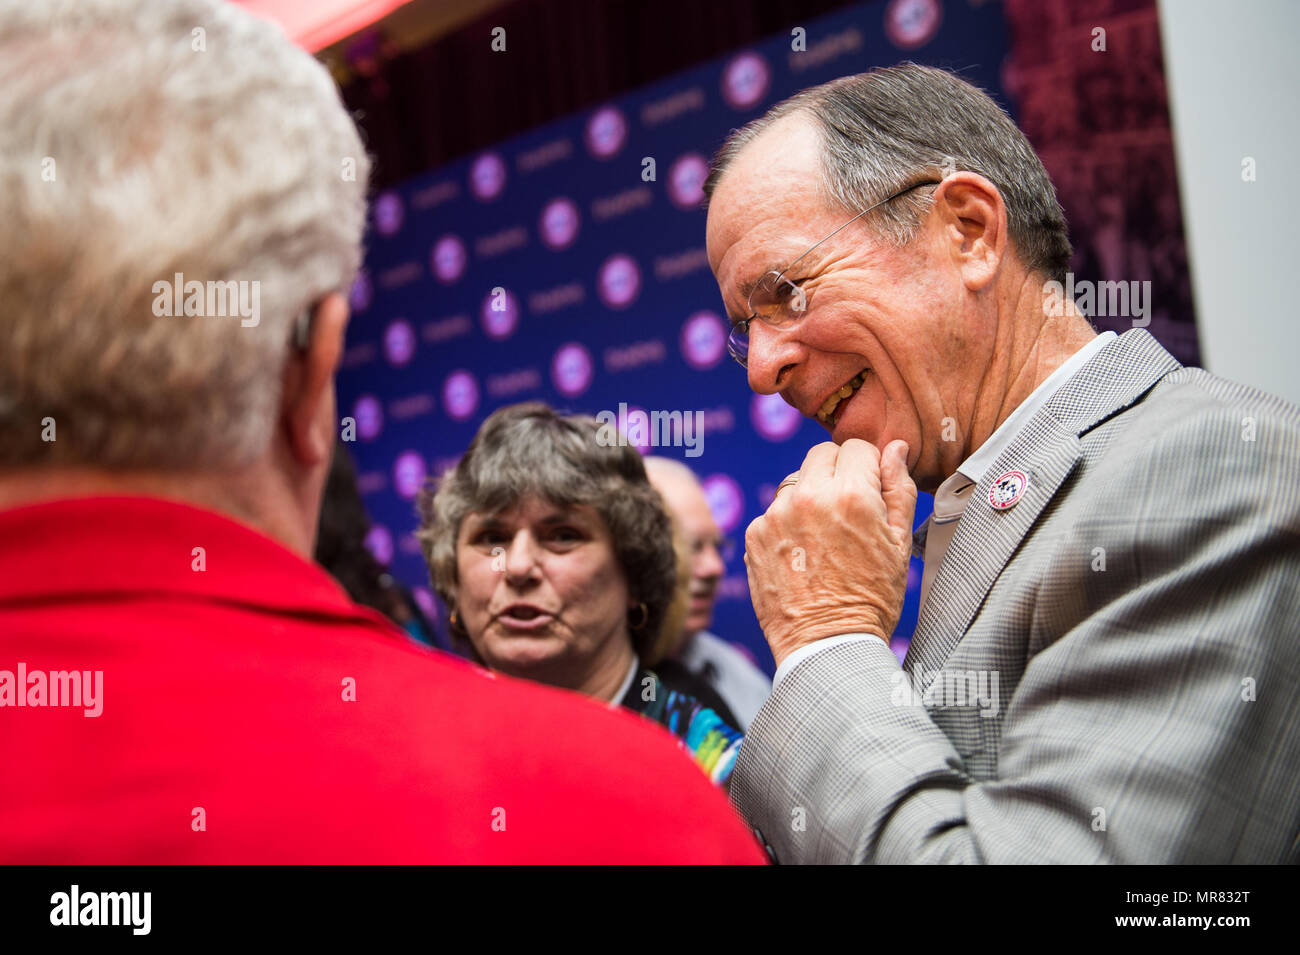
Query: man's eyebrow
(745, 289)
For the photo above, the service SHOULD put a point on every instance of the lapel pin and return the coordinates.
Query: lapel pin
(1007, 490)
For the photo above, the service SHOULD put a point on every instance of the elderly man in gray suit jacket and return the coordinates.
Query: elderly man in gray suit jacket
(1107, 656)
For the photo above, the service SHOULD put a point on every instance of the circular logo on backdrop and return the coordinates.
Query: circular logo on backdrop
(619, 281)
(460, 395)
(686, 181)
(369, 415)
(726, 501)
(606, 132)
(487, 177)
(499, 314)
(388, 213)
(571, 369)
(704, 340)
(773, 418)
(448, 259)
(379, 541)
(912, 23)
(408, 474)
(559, 224)
(361, 293)
(745, 80)
(399, 342)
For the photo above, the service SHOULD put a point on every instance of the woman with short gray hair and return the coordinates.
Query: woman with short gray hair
(555, 557)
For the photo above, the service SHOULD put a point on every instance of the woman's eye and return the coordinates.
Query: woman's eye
(565, 535)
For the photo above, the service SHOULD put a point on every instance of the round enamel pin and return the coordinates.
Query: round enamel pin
(1007, 490)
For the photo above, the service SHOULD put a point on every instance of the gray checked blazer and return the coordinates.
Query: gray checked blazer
(1108, 671)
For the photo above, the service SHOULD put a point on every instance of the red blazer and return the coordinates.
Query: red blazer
(251, 713)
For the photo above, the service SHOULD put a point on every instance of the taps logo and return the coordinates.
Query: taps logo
(460, 395)
(686, 181)
(399, 342)
(606, 132)
(559, 224)
(619, 281)
(388, 213)
(1007, 490)
(912, 23)
(380, 544)
(369, 414)
(571, 369)
(726, 502)
(487, 177)
(773, 418)
(745, 80)
(408, 474)
(499, 314)
(704, 340)
(448, 259)
(362, 292)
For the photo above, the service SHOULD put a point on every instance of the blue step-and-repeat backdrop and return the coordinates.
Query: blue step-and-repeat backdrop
(603, 291)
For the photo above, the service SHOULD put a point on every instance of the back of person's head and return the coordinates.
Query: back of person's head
(145, 145)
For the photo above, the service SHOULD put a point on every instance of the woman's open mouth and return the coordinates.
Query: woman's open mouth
(524, 617)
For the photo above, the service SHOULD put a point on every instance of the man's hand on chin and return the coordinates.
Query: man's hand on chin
(830, 555)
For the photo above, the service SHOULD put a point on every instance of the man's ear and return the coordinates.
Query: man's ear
(973, 217)
(307, 404)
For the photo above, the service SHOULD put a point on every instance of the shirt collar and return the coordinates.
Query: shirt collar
(117, 546)
(627, 682)
(982, 459)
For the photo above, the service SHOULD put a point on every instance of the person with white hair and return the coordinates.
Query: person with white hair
(184, 200)
(717, 662)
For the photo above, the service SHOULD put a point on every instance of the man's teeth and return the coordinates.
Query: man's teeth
(833, 401)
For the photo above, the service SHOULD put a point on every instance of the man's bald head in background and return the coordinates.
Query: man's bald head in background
(689, 507)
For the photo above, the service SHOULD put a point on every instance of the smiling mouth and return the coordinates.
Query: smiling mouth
(849, 388)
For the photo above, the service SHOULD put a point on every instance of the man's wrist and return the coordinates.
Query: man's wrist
(795, 657)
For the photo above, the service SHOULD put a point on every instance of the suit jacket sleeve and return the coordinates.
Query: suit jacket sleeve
(1160, 725)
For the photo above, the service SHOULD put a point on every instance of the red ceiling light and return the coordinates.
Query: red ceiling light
(315, 24)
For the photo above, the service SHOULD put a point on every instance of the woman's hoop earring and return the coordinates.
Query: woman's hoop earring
(645, 617)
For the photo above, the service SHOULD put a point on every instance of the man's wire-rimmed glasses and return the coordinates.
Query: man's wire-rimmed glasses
(779, 301)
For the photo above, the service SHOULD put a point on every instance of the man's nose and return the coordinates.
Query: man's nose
(708, 563)
(773, 354)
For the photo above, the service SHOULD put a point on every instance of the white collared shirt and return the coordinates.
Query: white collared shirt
(951, 497)
(627, 682)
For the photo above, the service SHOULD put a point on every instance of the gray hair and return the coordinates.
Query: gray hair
(140, 139)
(888, 129)
(528, 450)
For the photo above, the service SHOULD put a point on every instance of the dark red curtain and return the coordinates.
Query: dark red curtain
(456, 95)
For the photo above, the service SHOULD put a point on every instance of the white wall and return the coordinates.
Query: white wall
(1234, 88)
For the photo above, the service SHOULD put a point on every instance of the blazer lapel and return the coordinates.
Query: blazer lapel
(1047, 450)
(986, 538)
